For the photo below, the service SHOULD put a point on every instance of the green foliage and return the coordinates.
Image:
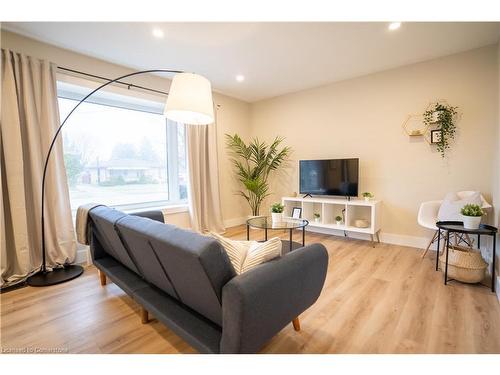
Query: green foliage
(446, 123)
(253, 164)
(338, 218)
(367, 194)
(316, 215)
(74, 167)
(472, 210)
(277, 208)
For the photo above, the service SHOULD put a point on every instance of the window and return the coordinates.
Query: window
(121, 151)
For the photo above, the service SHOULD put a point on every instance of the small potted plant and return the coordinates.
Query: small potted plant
(338, 220)
(471, 216)
(277, 212)
(367, 195)
(317, 217)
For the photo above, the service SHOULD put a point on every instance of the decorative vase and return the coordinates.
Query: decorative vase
(471, 222)
(277, 216)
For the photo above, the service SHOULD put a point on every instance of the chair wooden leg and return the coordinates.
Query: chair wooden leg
(430, 243)
(144, 315)
(102, 277)
(296, 324)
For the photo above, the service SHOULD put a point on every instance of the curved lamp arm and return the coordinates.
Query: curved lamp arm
(43, 268)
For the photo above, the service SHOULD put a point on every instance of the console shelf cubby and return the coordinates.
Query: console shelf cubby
(329, 208)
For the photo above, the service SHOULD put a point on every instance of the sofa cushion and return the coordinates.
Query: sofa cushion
(245, 255)
(104, 219)
(197, 266)
(133, 231)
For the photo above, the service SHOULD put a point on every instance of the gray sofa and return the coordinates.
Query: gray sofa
(187, 282)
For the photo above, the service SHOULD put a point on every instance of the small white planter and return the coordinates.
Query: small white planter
(339, 222)
(471, 222)
(367, 199)
(317, 219)
(277, 217)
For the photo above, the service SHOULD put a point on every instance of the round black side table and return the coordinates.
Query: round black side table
(458, 227)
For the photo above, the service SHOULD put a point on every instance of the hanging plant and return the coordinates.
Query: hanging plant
(444, 116)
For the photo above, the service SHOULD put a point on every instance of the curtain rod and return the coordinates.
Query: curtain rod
(129, 85)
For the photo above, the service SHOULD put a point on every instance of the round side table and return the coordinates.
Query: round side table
(266, 223)
(458, 227)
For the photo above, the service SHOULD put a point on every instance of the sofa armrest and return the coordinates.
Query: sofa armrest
(153, 215)
(256, 305)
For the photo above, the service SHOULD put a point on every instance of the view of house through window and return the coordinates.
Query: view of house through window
(121, 156)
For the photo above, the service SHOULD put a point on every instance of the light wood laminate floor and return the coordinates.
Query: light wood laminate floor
(375, 300)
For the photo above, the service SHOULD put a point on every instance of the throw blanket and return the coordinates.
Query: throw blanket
(82, 222)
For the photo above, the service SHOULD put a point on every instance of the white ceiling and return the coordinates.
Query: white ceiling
(275, 58)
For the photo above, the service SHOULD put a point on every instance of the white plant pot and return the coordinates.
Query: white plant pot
(339, 222)
(317, 219)
(367, 199)
(277, 216)
(471, 222)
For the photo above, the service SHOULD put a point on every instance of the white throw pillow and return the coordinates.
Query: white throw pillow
(452, 204)
(245, 255)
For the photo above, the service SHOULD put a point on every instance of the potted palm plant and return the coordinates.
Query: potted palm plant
(253, 164)
(277, 212)
(471, 216)
(317, 217)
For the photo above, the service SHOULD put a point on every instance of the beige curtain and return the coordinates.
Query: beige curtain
(29, 119)
(204, 195)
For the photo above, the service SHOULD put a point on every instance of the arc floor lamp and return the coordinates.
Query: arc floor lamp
(189, 101)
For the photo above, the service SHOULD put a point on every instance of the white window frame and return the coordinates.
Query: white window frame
(174, 204)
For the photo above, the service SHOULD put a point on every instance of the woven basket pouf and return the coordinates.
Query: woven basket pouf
(464, 264)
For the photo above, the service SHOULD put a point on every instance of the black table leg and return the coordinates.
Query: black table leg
(265, 236)
(303, 236)
(478, 242)
(437, 251)
(446, 264)
(248, 232)
(290, 239)
(493, 263)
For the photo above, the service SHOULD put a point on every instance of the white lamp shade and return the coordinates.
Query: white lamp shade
(190, 100)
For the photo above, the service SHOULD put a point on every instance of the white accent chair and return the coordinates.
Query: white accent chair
(428, 214)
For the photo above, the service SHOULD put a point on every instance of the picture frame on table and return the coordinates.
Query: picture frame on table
(297, 212)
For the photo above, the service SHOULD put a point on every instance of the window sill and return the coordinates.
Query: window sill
(167, 210)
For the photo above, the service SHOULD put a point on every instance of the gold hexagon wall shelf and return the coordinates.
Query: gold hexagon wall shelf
(414, 126)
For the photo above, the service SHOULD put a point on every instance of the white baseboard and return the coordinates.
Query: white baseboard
(82, 255)
(390, 238)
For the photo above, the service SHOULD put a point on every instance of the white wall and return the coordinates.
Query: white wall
(233, 115)
(363, 118)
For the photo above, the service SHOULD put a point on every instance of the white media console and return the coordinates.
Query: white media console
(329, 208)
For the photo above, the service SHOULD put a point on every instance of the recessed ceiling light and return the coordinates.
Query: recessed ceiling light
(240, 78)
(158, 33)
(394, 25)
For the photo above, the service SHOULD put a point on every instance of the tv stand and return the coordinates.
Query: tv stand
(329, 208)
(307, 195)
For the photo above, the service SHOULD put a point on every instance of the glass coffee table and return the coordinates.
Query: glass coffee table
(266, 223)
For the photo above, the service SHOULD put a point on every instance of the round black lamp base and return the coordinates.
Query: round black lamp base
(56, 276)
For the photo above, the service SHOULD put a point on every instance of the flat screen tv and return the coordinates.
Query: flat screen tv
(329, 177)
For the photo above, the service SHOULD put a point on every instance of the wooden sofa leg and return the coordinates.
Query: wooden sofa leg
(102, 277)
(144, 315)
(296, 324)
